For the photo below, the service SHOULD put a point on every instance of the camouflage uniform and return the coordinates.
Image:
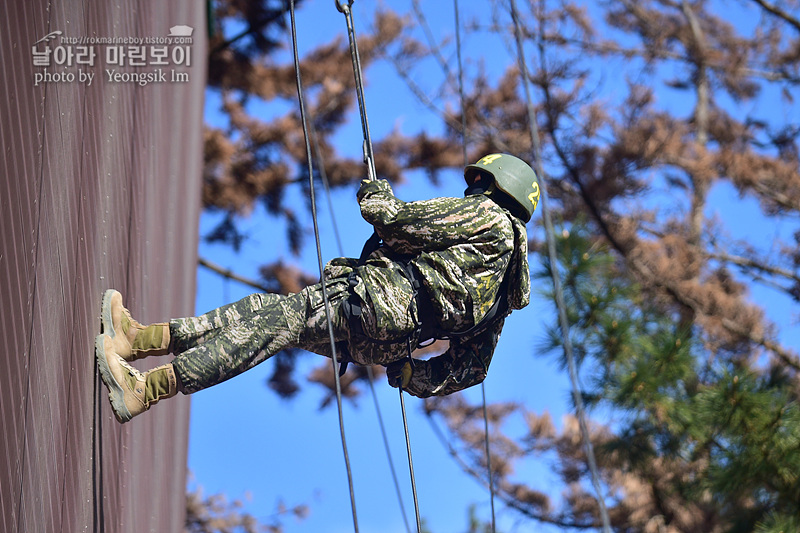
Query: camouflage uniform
(460, 249)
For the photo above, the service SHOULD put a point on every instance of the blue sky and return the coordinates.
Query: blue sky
(246, 442)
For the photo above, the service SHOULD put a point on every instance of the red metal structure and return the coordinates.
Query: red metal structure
(100, 188)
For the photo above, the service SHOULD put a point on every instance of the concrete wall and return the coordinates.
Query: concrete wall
(100, 188)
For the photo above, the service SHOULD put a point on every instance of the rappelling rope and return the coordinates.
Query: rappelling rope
(370, 375)
(461, 85)
(466, 162)
(551, 249)
(410, 462)
(369, 156)
(369, 159)
(334, 359)
(488, 455)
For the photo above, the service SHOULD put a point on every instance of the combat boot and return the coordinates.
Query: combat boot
(131, 339)
(132, 392)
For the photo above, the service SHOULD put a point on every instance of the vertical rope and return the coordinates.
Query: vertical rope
(551, 250)
(370, 375)
(334, 359)
(410, 461)
(466, 162)
(461, 86)
(408, 443)
(388, 451)
(369, 159)
(369, 156)
(488, 456)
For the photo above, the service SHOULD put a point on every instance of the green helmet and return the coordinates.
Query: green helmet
(512, 176)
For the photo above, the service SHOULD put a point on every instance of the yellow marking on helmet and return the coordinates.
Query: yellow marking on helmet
(534, 196)
(487, 160)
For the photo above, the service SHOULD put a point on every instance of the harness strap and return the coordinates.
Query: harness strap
(425, 329)
(352, 307)
(426, 325)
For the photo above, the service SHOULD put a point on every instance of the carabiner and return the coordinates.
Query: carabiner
(341, 8)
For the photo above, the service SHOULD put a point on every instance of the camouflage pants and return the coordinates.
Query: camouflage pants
(227, 341)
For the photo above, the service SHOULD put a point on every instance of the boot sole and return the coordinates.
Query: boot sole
(105, 316)
(115, 391)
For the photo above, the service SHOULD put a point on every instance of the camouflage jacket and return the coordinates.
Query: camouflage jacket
(461, 248)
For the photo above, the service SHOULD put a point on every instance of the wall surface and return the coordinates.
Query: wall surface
(100, 188)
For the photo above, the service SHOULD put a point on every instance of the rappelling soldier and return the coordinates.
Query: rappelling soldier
(446, 268)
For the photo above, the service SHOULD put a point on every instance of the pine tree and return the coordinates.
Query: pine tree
(726, 431)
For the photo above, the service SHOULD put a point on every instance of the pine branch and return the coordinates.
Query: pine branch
(231, 41)
(505, 497)
(788, 357)
(229, 274)
(604, 48)
(776, 196)
(778, 12)
(432, 44)
(697, 51)
(752, 263)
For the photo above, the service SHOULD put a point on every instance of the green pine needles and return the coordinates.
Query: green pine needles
(703, 436)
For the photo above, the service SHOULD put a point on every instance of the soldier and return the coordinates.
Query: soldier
(450, 268)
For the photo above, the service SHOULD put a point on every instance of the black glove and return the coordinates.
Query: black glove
(371, 187)
(399, 373)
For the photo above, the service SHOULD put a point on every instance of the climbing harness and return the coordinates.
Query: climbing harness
(551, 249)
(319, 261)
(426, 329)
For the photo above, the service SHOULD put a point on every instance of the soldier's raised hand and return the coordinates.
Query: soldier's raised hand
(399, 373)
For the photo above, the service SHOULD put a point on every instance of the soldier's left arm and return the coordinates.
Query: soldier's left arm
(463, 365)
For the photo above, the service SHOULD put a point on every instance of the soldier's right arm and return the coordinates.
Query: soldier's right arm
(463, 365)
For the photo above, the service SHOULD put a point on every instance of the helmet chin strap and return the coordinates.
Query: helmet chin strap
(483, 185)
(488, 187)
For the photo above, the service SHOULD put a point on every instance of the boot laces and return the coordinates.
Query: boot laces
(130, 369)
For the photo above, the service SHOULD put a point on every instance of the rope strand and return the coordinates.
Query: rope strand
(370, 374)
(369, 157)
(410, 461)
(488, 457)
(334, 359)
(461, 86)
(551, 249)
(466, 162)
